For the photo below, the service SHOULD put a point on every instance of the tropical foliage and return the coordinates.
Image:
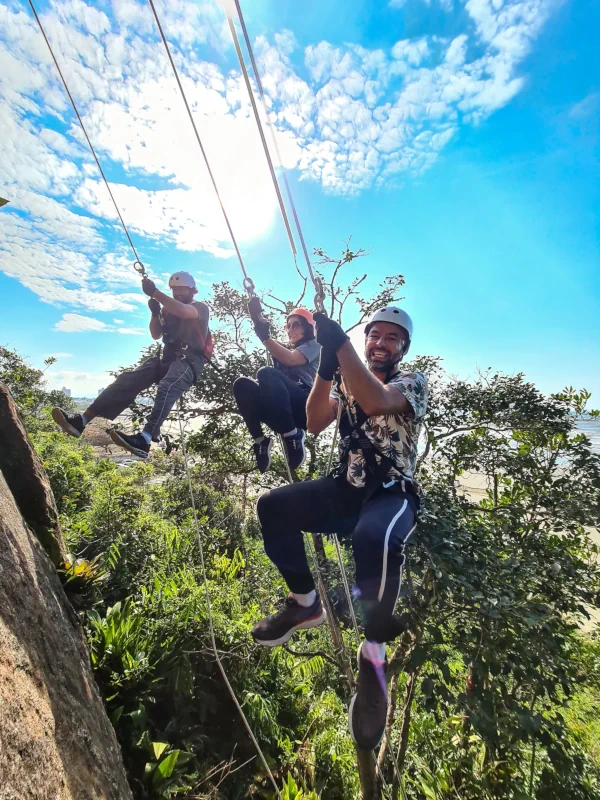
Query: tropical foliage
(495, 681)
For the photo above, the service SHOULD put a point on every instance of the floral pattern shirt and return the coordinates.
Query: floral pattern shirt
(394, 435)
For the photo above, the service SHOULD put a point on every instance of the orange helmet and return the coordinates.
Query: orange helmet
(302, 312)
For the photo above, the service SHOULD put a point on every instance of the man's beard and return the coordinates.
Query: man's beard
(376, 365)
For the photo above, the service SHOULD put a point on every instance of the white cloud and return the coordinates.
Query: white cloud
(346, 116)
(59, 240)
(76, 323)
(586, 109)
(414, 97)
(59, 355)
(413, 51)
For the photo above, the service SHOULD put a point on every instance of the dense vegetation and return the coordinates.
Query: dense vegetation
(495, 683)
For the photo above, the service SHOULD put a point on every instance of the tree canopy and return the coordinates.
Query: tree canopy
(494, 682)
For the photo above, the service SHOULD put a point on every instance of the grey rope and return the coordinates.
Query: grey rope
(248, 282)
(138, 266)
(210, 616)
(276, 146)
(335, 536)
(261, 133)
(317, 283)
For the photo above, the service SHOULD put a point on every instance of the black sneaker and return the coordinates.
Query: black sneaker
(368, 708)
(262, 452)
(291, 617)
(296, 452)
(136, 444)
(70, 423)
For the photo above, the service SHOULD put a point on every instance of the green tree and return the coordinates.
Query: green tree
(494, 682)
(488, 578)
(28, 387)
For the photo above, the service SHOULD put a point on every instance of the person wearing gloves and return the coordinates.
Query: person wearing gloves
(371, 492)
(277, 397)
(182, 323)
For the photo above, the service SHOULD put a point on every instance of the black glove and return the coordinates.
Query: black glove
(330, 335)
(328, 364)
(154, 307)
(148, 286)
(262, 329)
(254, 308)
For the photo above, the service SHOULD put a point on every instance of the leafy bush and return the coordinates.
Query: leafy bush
(494, 686)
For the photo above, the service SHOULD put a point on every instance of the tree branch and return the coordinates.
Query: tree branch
(311, 655)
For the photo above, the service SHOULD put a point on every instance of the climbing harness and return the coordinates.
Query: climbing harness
(183, 349)
(137, 265)
(211, 626)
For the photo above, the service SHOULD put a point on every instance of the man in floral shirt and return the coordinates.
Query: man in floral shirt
(371, 493)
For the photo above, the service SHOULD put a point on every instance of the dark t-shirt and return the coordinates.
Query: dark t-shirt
(192, 332)
(303, 373)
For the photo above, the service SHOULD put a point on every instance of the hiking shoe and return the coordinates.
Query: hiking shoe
(262, 453)
(135, 444)
(368, 708)
(295, 450)
(72, 424)
(291, 617)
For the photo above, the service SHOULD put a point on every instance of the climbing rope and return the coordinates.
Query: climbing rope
(272, 130)
(335, 536)
(248, 282)
(349, 600)
(211, 626)
(261, 133)
(138, 266)
(316, 280)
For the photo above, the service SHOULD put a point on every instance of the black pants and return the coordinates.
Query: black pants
(379, 529)
(173, 378)
(274, 399)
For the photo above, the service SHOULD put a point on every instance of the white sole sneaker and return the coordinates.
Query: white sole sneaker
(309, 623)
(62, 422)
(114, 435)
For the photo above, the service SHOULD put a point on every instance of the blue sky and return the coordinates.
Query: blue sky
(459, 141)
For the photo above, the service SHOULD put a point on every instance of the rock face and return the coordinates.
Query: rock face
(28, 482)
(56, 742)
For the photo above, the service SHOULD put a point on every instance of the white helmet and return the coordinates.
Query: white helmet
(182, 279)
(394, 315)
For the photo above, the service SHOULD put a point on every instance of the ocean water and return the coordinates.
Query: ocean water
(591, 428)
